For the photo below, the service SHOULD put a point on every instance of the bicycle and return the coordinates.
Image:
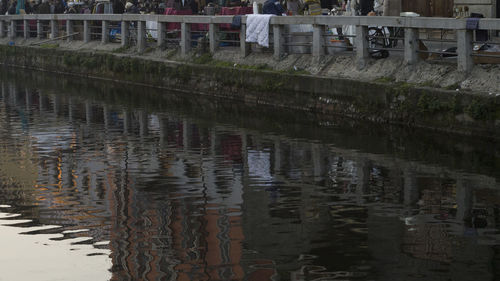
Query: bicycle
(380, 39)
(378, 43)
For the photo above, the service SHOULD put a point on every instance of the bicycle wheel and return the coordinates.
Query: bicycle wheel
(377, 41)
(398, 35)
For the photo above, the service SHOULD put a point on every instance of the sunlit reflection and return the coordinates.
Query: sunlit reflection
(41, 257)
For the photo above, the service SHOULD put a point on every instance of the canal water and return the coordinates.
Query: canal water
(108, 181)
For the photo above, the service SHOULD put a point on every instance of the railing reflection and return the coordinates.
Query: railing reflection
(182, 200)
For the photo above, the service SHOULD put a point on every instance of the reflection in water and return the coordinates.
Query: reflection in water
(152, 186)
(30, 257)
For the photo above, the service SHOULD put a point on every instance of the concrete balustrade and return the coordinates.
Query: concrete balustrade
(141, 36)
(185, 38)
(26, 29)
(125, 36)
(411, 45)
(212, 37)
(244, 46)
(86, 31)
(162, 27)
(53, 29)
(12, 30)
(39, 29)
(278, 41)
(69, 30)
(464, 50)
(361, 44)
(318, 48)
(105, 32)
(2, 29)
(278, 24)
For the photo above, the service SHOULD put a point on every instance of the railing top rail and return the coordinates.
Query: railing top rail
(222, 19)
(410, 22)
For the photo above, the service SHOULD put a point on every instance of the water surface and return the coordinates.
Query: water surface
(104, 181)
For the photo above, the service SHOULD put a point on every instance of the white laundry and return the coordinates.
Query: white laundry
(258, 29)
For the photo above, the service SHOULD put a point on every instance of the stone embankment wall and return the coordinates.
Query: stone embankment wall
(382, 101)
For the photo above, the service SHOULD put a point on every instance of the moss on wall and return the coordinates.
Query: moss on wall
(382, 101)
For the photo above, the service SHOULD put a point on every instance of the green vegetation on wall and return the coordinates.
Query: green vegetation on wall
(382, 100)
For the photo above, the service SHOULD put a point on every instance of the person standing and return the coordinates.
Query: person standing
(118, 7)
(293, 7)
(313, 7)
(12, 8)
(365, 6)
(273, 7)
(44, 8)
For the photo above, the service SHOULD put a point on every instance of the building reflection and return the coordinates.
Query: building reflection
(180, 199)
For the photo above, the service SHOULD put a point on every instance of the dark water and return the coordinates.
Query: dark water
(103, 181)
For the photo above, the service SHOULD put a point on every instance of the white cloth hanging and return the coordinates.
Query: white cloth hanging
(258, 29)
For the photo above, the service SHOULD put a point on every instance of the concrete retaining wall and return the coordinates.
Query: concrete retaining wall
(400, 103)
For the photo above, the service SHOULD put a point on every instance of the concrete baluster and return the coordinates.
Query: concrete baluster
(185, 38)
(53, 28)
(125, 36)
(105, 32)
(86, 31)
(244, 46)
(361, 43)
(2, 29)
(411, 46)
(278, 41)
(161, 33)
(212, 37)
(12, 34)
(317, 45)
(464, 50)
(69, 30)
(26, 29)
(39, 29)
(141, 36)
